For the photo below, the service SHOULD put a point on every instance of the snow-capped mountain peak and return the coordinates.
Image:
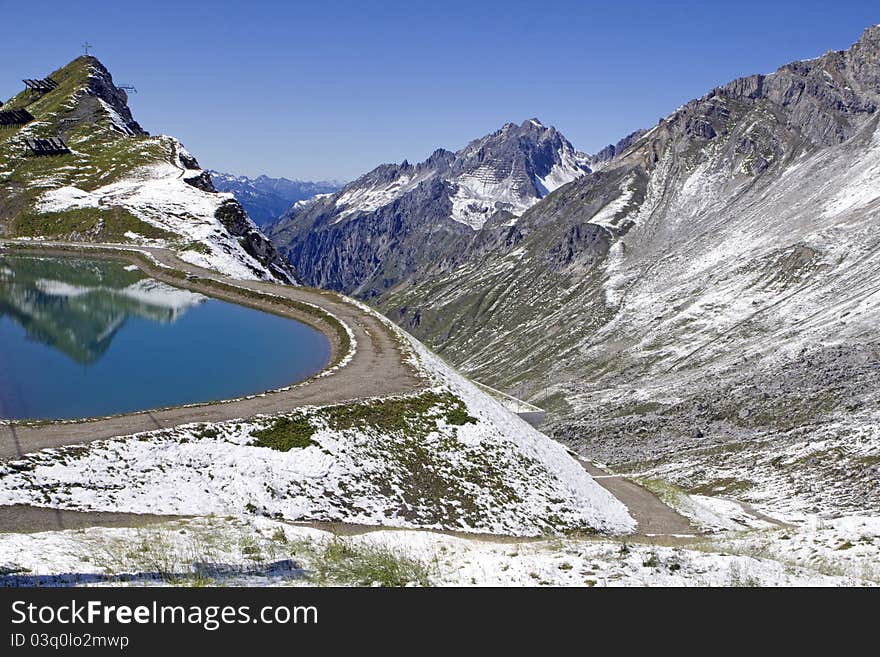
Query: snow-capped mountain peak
(398, 217)
(511, 170)
(508, 170)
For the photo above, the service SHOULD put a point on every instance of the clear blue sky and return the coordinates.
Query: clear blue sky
(329, 89)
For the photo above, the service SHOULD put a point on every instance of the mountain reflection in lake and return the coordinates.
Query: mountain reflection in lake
(83, 337)
(77, 306)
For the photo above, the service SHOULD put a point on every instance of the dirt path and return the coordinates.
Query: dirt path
(376, 369)
(25, 518)
(654, 518)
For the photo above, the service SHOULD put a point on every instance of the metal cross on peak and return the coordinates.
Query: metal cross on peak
(86, 47)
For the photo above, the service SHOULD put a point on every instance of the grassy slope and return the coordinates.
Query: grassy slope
(101, 155)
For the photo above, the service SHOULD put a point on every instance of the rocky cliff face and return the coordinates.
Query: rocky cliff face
(118, 184)
(100, 88)
(233, 217)
(399, 220)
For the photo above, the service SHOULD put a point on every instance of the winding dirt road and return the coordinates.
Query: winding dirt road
(376, 369)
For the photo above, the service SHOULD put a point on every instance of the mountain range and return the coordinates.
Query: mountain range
(402, 218)
(694, 306)
(707, 284)
(266, 199)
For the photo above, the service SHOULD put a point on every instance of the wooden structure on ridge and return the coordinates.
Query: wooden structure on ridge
(47, 146)
(41, 86)
(15, 117)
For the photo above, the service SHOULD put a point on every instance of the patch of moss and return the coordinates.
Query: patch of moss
(458, 416)
(669, 493)
(207, 431)
(721, 486)
(198, 247)
(389, 415)
(286, 434)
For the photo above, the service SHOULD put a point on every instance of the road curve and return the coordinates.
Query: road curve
(653, 517)
(376, 369)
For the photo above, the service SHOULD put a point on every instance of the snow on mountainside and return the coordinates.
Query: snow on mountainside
(702, 307)
(447, 457)
(397, 219)
(267, 199)
(511, 170)
(260, 552)
(119, 184)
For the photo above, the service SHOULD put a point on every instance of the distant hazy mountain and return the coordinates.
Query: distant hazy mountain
(400, 218)
(265, 198)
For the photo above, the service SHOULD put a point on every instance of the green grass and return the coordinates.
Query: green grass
(418, 414)
(343, 561)
(101, 155)
(178, 552)
(458, 415)
(198, 247)
(670, 494)
(414, 435)
(389, 415)
(207, 431)
(285, 434)
(740, 577)
(723, 486)
(87, 224)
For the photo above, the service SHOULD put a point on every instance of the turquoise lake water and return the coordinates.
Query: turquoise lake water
(85, 338)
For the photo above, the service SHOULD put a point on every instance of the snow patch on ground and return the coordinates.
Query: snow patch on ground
(605, 217)
(595, 501)
(863, 189)
(367, 199)
(306, 202)
(479, 194)
(263, 552)
(158, 195)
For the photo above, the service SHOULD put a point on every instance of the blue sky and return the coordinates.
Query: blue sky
(330, 89)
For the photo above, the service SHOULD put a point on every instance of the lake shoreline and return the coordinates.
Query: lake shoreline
(371, 365)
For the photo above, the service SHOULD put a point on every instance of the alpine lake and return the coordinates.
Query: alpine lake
(84, 338)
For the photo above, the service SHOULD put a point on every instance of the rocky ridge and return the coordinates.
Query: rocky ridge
(404, 220)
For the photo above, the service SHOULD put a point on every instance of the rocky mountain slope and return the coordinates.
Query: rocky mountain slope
(703, 306)
(267, 199)
(119, 184)
(398, 220)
